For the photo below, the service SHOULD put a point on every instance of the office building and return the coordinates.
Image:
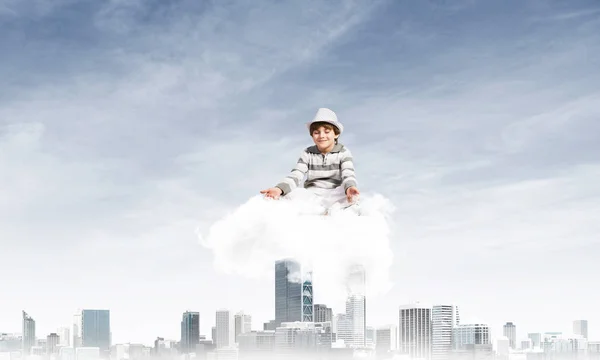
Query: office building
(472, 341)
(28, 335)
(243, 324)
(225, 329)
(510, 331)
(95, 330)
(443, 320)
(355, 321)
(190, 332)
(415, 330)
(356, 306)
(465, 335)
(386, 339)
(322, 313)
(52, 342)
(293, 293)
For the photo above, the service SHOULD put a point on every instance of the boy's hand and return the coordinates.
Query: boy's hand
(273, 192)
(351, 192)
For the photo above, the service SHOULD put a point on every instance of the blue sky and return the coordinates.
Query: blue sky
(126, 124)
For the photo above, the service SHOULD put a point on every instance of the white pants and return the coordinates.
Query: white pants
(327, 199)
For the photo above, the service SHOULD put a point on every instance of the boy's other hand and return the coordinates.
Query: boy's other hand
(273, 192)
(351, 193)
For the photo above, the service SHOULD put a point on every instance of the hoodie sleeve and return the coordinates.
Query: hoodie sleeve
(296, 176)
(347, 169)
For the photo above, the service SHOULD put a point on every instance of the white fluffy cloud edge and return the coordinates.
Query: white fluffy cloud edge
(251, 238)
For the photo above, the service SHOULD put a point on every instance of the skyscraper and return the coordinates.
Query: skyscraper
(225, 329)
(95, 330)
(322, 313)
(356, 305)
(443, 319)
(293, 293)
(190, 331)
(355, 316)
(243, 324)
(510, 331)
(414, 330)
(28, 336)
(307, 298)
(580, 327)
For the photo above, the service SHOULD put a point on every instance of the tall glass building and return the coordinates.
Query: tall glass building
(190, 331)
(293, 293)
(28, 336)
(95, 330)
(356, 306)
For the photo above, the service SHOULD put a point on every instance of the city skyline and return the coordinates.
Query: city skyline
(126, 128)
(257, 326)
(415, 331)
(423, 330)
(191, 321)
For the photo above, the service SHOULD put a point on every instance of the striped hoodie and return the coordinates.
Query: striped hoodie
(326, 171)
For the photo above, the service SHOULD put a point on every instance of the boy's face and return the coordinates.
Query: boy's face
(324, 137)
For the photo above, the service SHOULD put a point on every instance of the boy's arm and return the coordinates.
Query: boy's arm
(296, 176)
(347, 169)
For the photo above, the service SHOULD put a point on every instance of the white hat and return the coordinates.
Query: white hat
(328, 116)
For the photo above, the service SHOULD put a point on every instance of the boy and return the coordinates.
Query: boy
(327, 165)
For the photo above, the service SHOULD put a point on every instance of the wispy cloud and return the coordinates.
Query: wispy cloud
(572, 15)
